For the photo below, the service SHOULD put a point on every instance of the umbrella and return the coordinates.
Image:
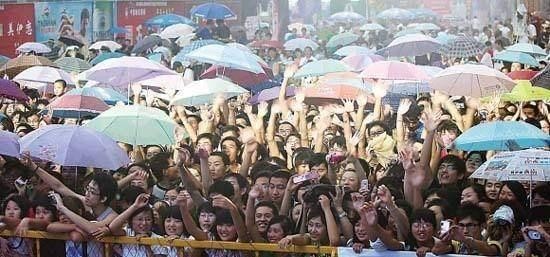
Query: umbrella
(542, 79)
(411, 45)
(346, 17)
(346, 78)
(10, 90)
(243, 78)
(501, 136)
(10, 144)
(372, 26)
(176, 30)
(352, 50)
(75, 106)
(71, 40)
(360, 62)
(519, 57)
(205, 90)
(326, 94)
(527, 48)
(120, 72)
(182, 55)
(135, 125)
(444, 38)
(321, 67)
(112, 45)
(298, 26)
(266, 44)
(185, 40)
(165, 20)
(270, 94)
(524, 91)
(44, 74)
(423, 26)
(463, 47)
(72, 145)
(104, 56)
(392, 70)
(342, 39)
(255, 89)
(21, 63)
(107, 95)
(227, 56)
(174, 81)
(471, 80)
(423, 13)
(147, 43)
(239, 46)
(4, 59)
(405, 87)
(72, 64)
(300, 43)
(38, 48)
(522, 75)
(212, 11)
(431, 71)
(524, 165)
(405, 32)
(395, 14)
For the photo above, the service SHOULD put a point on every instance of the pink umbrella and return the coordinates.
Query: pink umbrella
(243, 78)
(361, 61)
(76, 106)
(329, 94)
(392, 70)
(9, 89)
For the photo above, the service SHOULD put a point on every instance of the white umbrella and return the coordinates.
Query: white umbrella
(44, 74)
(185, 40)
(204, 91)
(38, 48)
(525, 165)
(176, 31)
(352, 50)
(176, 82)
(411, 45)
(227, 56)
(300, 43)
(372, 26)
(240, 47)
(107, 43)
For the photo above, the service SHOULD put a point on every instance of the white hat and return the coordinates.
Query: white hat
(505, 213)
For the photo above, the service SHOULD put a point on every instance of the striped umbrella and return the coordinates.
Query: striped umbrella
(72, 64)
(75, 106)
(21, 63)
(463, 47)
(182, 55)
(542, 79)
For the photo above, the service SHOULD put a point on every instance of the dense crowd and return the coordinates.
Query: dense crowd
(355, 173)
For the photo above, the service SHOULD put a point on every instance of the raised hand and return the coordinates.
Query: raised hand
(371, 216)
(325, 202)
(338, 198)
(256, 192)
(384, 195)
(348, 105)
(431, 120)
(404, 106)
(290, 70)
(358, 200)
(136, 88)
(262, 109)
(182, 200)
(362, 99)
(141, 201)
(222, 202)
(247, 108)
(379, 89)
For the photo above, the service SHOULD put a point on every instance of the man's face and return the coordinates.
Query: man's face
(470, 227)
(277, 188)
(58, 89)
(216, 167)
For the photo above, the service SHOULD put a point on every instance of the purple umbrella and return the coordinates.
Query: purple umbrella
(72, 145)
(9, 89)
(10, 144)
(270, 94)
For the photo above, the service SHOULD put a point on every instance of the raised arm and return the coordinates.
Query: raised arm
(332, 228)
(190, 224)
(116, 226)
(255, 192)
(375, 231)
(224, 202)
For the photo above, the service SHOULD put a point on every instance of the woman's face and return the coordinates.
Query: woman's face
(506, 194)
(227, 232)
(171, 196)
(206, 220)
(469, 196)
(142, 223)
(275, 233)
(473, 162)
(42, 213)
(173, 227)
(229, 147)
(447, 173)
(361, 231)
(33, 121)
(12, 210)
(350, 180)
(492, 189)
(316, 229)
(422, 231)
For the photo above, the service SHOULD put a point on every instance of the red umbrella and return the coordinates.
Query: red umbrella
(76, 106)
(266, 44)
(522, 75)
(9, 89)
(242, 78)
(328, 94)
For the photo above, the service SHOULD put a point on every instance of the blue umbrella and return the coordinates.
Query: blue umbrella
(105, 56)
(108, 95)
(182, 55)
(168, 19)
(395, 14)
(4, 59)
(501, 136)
(10, 144)
(423, 13)
(519, 57)
(212, 11)
(264, 85)
(118, 30)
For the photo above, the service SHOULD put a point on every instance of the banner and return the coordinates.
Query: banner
(132, 15)
(348, 252)
(102, 21)
(16, 27)
(70, 19)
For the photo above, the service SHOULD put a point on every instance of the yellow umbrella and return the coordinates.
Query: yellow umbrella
(524, 91)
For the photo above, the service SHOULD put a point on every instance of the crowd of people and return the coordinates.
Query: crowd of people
(356, 173)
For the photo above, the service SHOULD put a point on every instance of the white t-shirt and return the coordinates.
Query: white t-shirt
(130, 250)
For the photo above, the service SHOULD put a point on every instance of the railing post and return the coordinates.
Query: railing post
(37, 242)
(107, 249)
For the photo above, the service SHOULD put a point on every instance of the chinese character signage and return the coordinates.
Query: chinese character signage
(70, 19)
(102, 20)
(16, 27)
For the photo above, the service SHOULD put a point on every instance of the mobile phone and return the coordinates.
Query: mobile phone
(20, 182)
(336, 158)
(51, 196)
(445, 226)
(305, 177)
(364, 185)
(534, 235)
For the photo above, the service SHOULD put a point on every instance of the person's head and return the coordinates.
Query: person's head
(33, 119)
(171, 195)
(545, 126)
(206, 141)
(231, 146)
(279, 227)
(451, 170)
(178, 67)
(318, 164)
(516, 67)
(240, 184)
(230, 131)
(277, 185)
(152, 150)
(513, 191)
(441, 208)
(141, 221)
(129, 194)
(206, 216)
(16, 207)
(285, 128)
(225, 226)
(301, 160)
(531, 111)
(471, 220)
(308, 52)
(261, 179)
(541, 195)
(173, 224)
(448, 131)
(221, 187)
(474, 193)
(218, 164)
(59, 87)
(350, 178)
(101, 190)
(474, 159)
(492, 189)
(316, 225)
(73, 204)
(501, 221)
(423, 225)
(44, 208)
(263, 213)
(298, 53)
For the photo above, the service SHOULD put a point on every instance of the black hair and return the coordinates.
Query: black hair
(339, 141)
(280, 173)
(63, 82)
(483, 155)
(238, 145)
(542, 190)
(205, 207)
(242, 181)
(302, 155)
(456, 161)
(381, 124)
(209, 136)
(518, 190)
(221, 187)
(261, 174)
(107, 186)
(228, 128)
(284, 221)
(21, 201)
(423, 214)
(479, 190)
(540, 214)
(145, 208)
(7, 124)
(268, 204)
(158, 163)
(448, 125)
(244, 117)
(47, 203)
(222, 155)
(471, 210)
(130, 193)
(444, 205)
(318, 159)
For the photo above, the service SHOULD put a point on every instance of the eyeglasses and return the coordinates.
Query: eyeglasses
(376, 133)
(423, 225)
(468, 225)
(91, 190)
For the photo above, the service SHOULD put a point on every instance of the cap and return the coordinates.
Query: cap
(505, 213)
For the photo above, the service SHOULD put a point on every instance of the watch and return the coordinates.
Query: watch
(343, 214)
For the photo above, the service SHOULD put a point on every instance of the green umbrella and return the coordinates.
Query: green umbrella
(322, 67)
(135, 125)
(72, 64)
(342, 39)
(524, 91)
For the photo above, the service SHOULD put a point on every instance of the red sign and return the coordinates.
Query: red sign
(441, 7)
(16, 27)
(132, 15)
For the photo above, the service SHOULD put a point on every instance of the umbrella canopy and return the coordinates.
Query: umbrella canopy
(10, 144)
(44, 74)
(444, 38)
(372, 26)
(352, 50)
(542, 79)
(298, 26)
(264, 85)
(182, 55)
(527, 48)
(500, 136)
(21, 63)
(120, 72)
(72, 145)
(107, 95)
(136, 125)
(112, 45)
(147, 43)
(423, 13)
(463, 47)
(243, 78)
(321, 67)
(75, 106)
(10, 90)
(524, 165)
(266, 44)
(212, 11)
(328, 94)
(270, 94)
(411, 45)
(471, 80)
(404, 32)
(118, 30)
(174, 81)
(167, 20)
(342, 39)
(522, 74)
(519, 57)
(346, 17)
(176, 31)
(395, 14)
(405, 87)
(38, 48)
(431, 71)
(300, 43)
(239, 46)
(227, 56)
(4, 59)
(392, 70)
(71, 40)
(347, 78)
(524, 91)
(72, 64)
(360, 62)
(105, 56)
(205, 90)
(423, 26)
